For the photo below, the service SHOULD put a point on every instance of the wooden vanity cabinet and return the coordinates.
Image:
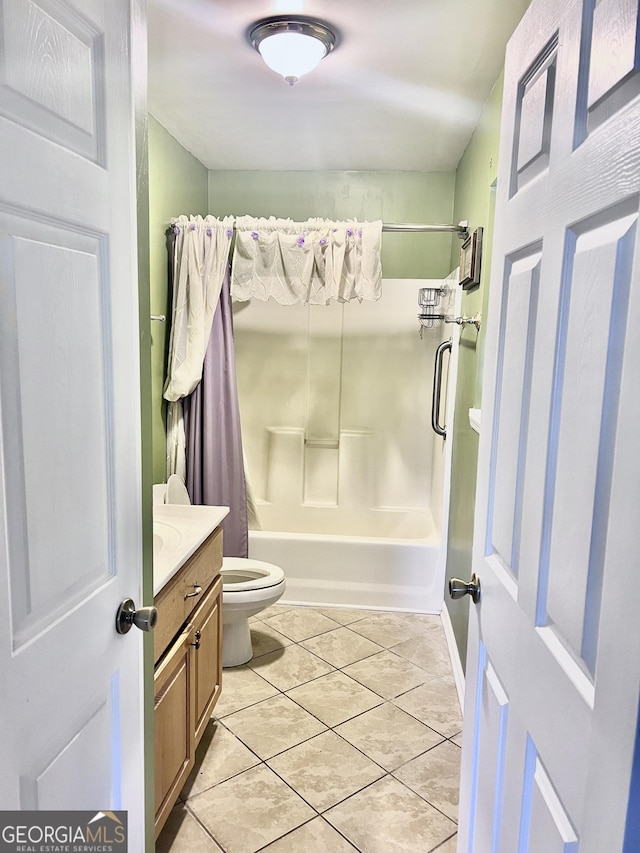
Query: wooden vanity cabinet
(188, 669)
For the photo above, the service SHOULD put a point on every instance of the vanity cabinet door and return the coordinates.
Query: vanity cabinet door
(174, 724)
(206, 653)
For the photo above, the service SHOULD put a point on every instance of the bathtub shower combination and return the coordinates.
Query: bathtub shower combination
(349, 480)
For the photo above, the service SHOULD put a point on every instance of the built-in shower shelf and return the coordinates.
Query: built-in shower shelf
(475, 416)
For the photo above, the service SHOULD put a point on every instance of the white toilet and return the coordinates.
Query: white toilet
(248, 587)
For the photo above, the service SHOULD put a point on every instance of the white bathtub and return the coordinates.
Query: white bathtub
(377, 558)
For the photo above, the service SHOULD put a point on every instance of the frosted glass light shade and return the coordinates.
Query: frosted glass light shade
(292, 45)
(292, 54)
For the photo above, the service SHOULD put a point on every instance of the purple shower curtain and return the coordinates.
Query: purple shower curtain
(215, 469)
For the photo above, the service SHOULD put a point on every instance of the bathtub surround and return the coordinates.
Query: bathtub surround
(335, 401)
(349, 476)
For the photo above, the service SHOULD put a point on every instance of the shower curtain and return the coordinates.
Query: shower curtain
(200, 255)
(215, 469)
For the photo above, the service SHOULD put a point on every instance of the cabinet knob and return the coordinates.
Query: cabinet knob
(197, 637)
(197, 589)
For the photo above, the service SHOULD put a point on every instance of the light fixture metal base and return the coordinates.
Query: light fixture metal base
(265, 27)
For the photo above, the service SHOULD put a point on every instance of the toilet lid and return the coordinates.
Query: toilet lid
(240, 574)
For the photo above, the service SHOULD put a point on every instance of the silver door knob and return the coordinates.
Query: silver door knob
(458, 588)
(145, 618)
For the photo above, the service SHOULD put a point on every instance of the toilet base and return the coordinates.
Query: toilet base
(236, 643)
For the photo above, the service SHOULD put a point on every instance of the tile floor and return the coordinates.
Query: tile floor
(341, 734)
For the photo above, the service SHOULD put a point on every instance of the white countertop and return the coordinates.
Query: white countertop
(178, 532)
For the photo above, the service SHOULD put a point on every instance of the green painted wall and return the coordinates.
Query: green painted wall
(474, 200)
(390, 196)
(177, 184)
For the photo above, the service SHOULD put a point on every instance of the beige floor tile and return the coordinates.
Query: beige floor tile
(429, 621)
(289, 667)
(457, 739)
(341, 647)
(435, 776)
(429, 651)
(388, 818)
(325, 770)
(241, 687)
(219, 756)
(387, 674)
(183, 834)
(274, 725)
(389, 629)
(300, 623)
(265, 639)
(388, 736)
(344, 615)
(250, 811)
(434, 703)
(334, 698)
(317, 836)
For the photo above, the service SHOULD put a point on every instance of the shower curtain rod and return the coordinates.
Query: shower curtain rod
(462, 230)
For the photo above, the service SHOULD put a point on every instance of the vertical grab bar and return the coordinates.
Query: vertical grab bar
(437, 388)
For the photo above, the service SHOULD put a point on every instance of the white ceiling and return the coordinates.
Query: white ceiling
(402, 91)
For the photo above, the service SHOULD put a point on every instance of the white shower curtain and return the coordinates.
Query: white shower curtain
(200, 258)
(312, 262)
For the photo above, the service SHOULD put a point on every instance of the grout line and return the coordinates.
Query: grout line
(442, 843)
(201, 824)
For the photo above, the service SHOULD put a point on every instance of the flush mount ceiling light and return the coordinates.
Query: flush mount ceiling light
(292, 45)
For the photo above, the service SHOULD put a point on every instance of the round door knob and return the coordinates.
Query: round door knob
(458, 588)
(145, 618)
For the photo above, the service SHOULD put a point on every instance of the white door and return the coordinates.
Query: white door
(70, 509)
(553, 670)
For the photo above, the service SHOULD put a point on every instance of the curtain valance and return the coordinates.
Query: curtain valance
(308, 262)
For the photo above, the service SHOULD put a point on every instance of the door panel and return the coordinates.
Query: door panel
(592, 316)
(83, 742)
(53, 73)
(559, 480)
(53, 348)
(70, 491)
(519, 311)
(544, 823)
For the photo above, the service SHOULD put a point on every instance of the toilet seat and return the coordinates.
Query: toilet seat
(240, 574)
